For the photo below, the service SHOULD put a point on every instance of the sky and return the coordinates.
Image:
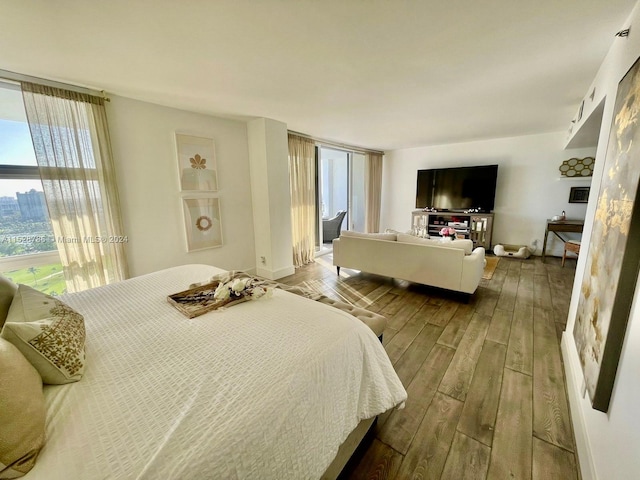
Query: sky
(16, 149)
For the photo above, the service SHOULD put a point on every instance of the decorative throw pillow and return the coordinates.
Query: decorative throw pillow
(7, 291)
(49, 333)
(377, 236)
(22, 413)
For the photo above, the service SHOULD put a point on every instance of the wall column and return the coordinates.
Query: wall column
(271, 197)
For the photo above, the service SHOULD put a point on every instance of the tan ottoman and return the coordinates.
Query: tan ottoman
(374, 321)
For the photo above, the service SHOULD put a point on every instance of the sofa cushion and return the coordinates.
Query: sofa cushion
(462, 244)
(377, 236)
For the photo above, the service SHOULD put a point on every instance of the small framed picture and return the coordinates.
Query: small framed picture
(197, 165)
(202, 223)
(579, 195)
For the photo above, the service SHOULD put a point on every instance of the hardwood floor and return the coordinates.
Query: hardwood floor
(487, 393)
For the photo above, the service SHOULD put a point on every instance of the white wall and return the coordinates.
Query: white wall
(608, 444)
(529, 189)
(143, 140)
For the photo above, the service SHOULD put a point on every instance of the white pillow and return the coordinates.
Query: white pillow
(378, 236)
(462, 244)
(49, 333)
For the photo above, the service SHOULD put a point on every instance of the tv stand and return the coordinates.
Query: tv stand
(477, 227)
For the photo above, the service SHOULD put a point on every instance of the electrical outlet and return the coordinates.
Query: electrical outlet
(263, 260)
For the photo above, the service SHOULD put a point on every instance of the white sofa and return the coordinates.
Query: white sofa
(444, 264)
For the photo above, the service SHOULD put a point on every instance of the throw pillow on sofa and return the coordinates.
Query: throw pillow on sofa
(462, 244)
(377, 236)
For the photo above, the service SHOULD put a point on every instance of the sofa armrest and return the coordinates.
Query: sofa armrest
(472, 270)
(336, 251)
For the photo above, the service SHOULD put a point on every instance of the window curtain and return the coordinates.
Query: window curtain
(373, 187)
(303, 198)
(73, 151)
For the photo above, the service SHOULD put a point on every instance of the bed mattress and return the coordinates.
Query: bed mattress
(265, 389)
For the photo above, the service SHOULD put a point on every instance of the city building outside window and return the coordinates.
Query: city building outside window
(28, 252)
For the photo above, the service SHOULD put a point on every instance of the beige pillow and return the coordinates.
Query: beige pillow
(462, 244)
(377, 236)
(22, 413)
(7, 291)
(49, 333)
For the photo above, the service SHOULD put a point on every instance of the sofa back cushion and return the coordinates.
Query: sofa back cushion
(462, 244)
(377, 236)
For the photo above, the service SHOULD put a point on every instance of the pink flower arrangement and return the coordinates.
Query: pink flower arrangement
(448, 232)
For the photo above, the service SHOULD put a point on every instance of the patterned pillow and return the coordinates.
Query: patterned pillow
(49, 333)
(7, 291)
(22, 413)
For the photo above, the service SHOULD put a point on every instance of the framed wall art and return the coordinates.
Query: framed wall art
(613, 257)
(197, 165)
(579, 195)
(202, 222)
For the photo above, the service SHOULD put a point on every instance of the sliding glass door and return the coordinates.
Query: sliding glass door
(341, 196)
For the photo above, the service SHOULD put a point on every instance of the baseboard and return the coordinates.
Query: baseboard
(275, 274)
(583, 447)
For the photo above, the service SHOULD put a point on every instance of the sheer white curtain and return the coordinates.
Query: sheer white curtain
(303, 198)
(373, 188)
(73, 151)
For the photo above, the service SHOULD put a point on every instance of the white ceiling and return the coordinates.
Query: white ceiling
(377, 73)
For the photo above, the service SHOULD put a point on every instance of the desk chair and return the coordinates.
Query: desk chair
(570, 246)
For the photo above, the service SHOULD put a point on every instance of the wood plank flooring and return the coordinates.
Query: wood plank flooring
(487, 393)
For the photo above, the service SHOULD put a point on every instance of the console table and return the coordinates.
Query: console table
(477, 227)
(560, 226)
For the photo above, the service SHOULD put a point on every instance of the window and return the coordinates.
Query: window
(341, 187)
(28, 252)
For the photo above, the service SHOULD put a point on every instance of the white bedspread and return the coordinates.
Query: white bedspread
(265, 389)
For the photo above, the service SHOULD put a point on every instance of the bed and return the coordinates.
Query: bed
(267, 389)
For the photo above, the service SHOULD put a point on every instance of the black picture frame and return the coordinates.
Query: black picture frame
(579, 195)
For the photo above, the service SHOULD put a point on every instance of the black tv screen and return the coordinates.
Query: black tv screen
(461, 188)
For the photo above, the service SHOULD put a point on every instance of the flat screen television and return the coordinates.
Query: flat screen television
(457, 189)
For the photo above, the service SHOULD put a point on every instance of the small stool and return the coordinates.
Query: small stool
(570, 246)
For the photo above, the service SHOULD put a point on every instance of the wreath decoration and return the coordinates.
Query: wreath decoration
(203, 223)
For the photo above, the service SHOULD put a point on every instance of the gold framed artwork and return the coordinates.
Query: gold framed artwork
(197, 166)
(613, 257)
(203, 227)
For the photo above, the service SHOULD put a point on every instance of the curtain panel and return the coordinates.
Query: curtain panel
(73, 151)
(303, 198)
(373, 188)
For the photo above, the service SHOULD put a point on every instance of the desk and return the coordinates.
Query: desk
(560, 226)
